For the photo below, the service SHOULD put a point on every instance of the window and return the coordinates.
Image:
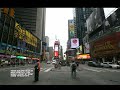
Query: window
(10, 39)
(5, 34)
(1, 28)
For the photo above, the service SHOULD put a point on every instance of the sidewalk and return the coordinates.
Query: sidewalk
(17, 66)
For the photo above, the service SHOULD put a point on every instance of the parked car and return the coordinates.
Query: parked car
(91, 63)
(94, 64)
(48, 62)
(106, 64)
(115, 66)
(54, 62)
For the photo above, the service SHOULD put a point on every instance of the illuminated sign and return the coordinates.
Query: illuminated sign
(21, 57)
(26, 36)
(56, 53)
(74, 42)
(83, 56)
(71, 28)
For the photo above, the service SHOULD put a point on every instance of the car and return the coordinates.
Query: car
(54, 61)
(48, 62)
(115, 66)
(63, 63)
(106, 64)
(94, 64)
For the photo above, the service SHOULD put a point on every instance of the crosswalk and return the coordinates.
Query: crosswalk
(101, 69)
(41, 69)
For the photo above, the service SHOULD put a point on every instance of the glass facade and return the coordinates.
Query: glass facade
(81, 16)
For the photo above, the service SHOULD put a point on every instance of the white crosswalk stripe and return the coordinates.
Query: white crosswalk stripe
(101, 70)
(41, 69)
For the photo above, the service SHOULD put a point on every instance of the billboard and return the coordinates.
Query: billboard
(108, 45)
(56, 48)
(71, 28)
(86, 48)
(25, 35)
(79, 50)
(83, 56)
(95, 20)
(74, 42)
(113, 20)
(56, 53)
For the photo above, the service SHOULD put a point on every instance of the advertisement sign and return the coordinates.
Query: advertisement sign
(83, 56)
(56, 48)
(86, 48)
(106, 46)
(74, 42)
(56, 53)
(24, 35)
(71, 28)
(95, 20)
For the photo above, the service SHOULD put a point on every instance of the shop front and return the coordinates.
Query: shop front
(82, 58)
(106, 48)
(4, 60)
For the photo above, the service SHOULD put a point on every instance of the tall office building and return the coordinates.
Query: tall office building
(51, 52)
(80, 16)
(47, 41)
(32, 19)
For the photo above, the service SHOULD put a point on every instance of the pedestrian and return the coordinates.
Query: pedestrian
(37, 70)
(73, 69)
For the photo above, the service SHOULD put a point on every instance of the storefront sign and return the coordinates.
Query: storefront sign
(106, 45)
(83, 56)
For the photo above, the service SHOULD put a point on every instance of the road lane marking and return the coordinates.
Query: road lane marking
(92, 70)
(48, 69)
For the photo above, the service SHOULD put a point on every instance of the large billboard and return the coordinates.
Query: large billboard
(71, 28)
(74, 42)
(108, 45)
(95, 20)
(83, 56)
(25, 35)
(112, 20)
(56, 49)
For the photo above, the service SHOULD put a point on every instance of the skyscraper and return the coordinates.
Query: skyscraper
(80, 16)
(32, 19)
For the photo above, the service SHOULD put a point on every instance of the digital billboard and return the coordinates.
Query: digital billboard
(25, 35)
(71, 28)
(95, 20)
(74, 42)
(83, 56)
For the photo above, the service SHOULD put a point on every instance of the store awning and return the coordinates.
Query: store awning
(21, 57)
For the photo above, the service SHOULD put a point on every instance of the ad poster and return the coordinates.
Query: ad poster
(74, 42)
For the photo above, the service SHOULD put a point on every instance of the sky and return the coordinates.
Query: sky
(57, 24)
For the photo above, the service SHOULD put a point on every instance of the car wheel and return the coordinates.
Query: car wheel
(110, 66)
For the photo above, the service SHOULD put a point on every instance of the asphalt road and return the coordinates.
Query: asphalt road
(86, 75)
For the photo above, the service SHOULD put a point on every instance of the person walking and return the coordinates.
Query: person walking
(73, 69)
(37, 70)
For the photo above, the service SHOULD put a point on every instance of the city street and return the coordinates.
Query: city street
(86, 75)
